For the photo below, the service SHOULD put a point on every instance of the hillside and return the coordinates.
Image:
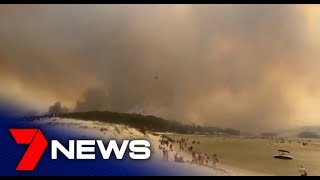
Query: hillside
(302, 132)
(145, 123)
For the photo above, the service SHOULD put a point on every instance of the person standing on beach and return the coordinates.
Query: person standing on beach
(206, 159)
(215, 160)
(164, 154)
(201, 159)
(303, 171)
(193, 155)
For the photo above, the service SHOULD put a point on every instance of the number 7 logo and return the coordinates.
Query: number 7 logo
(38, 144)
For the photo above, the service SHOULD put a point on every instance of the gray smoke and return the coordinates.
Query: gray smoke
(57, 108)
(226, 65)
(93, 100)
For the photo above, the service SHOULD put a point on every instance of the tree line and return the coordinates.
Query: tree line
(146, 123)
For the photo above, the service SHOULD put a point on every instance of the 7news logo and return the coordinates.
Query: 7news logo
(38, 144)
(78, 149)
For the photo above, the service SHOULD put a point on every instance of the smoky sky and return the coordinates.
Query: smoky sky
(225, 65)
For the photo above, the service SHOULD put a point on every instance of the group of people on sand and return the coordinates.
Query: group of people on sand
(203, 159)
(194, 142)
(200, 158)
(183, 144)
(178, 158)
(165, 154)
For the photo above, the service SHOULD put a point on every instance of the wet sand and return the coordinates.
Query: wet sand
(243, 156)
(221, 169)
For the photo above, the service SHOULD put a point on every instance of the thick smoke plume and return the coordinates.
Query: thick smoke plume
(93, 100)
(57, 108)
(225, 65)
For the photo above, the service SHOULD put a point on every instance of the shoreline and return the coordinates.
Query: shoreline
(226, 169)
(119, 132)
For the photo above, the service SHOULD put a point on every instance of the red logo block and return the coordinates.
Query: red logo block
(38, 144)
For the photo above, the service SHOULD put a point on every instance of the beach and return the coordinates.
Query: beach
(254, 156)
(237, 156)
(107, 131)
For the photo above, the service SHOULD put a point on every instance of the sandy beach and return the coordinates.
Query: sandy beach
(116, 131)
(237, 157)
(254, 156)
(220, 168)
